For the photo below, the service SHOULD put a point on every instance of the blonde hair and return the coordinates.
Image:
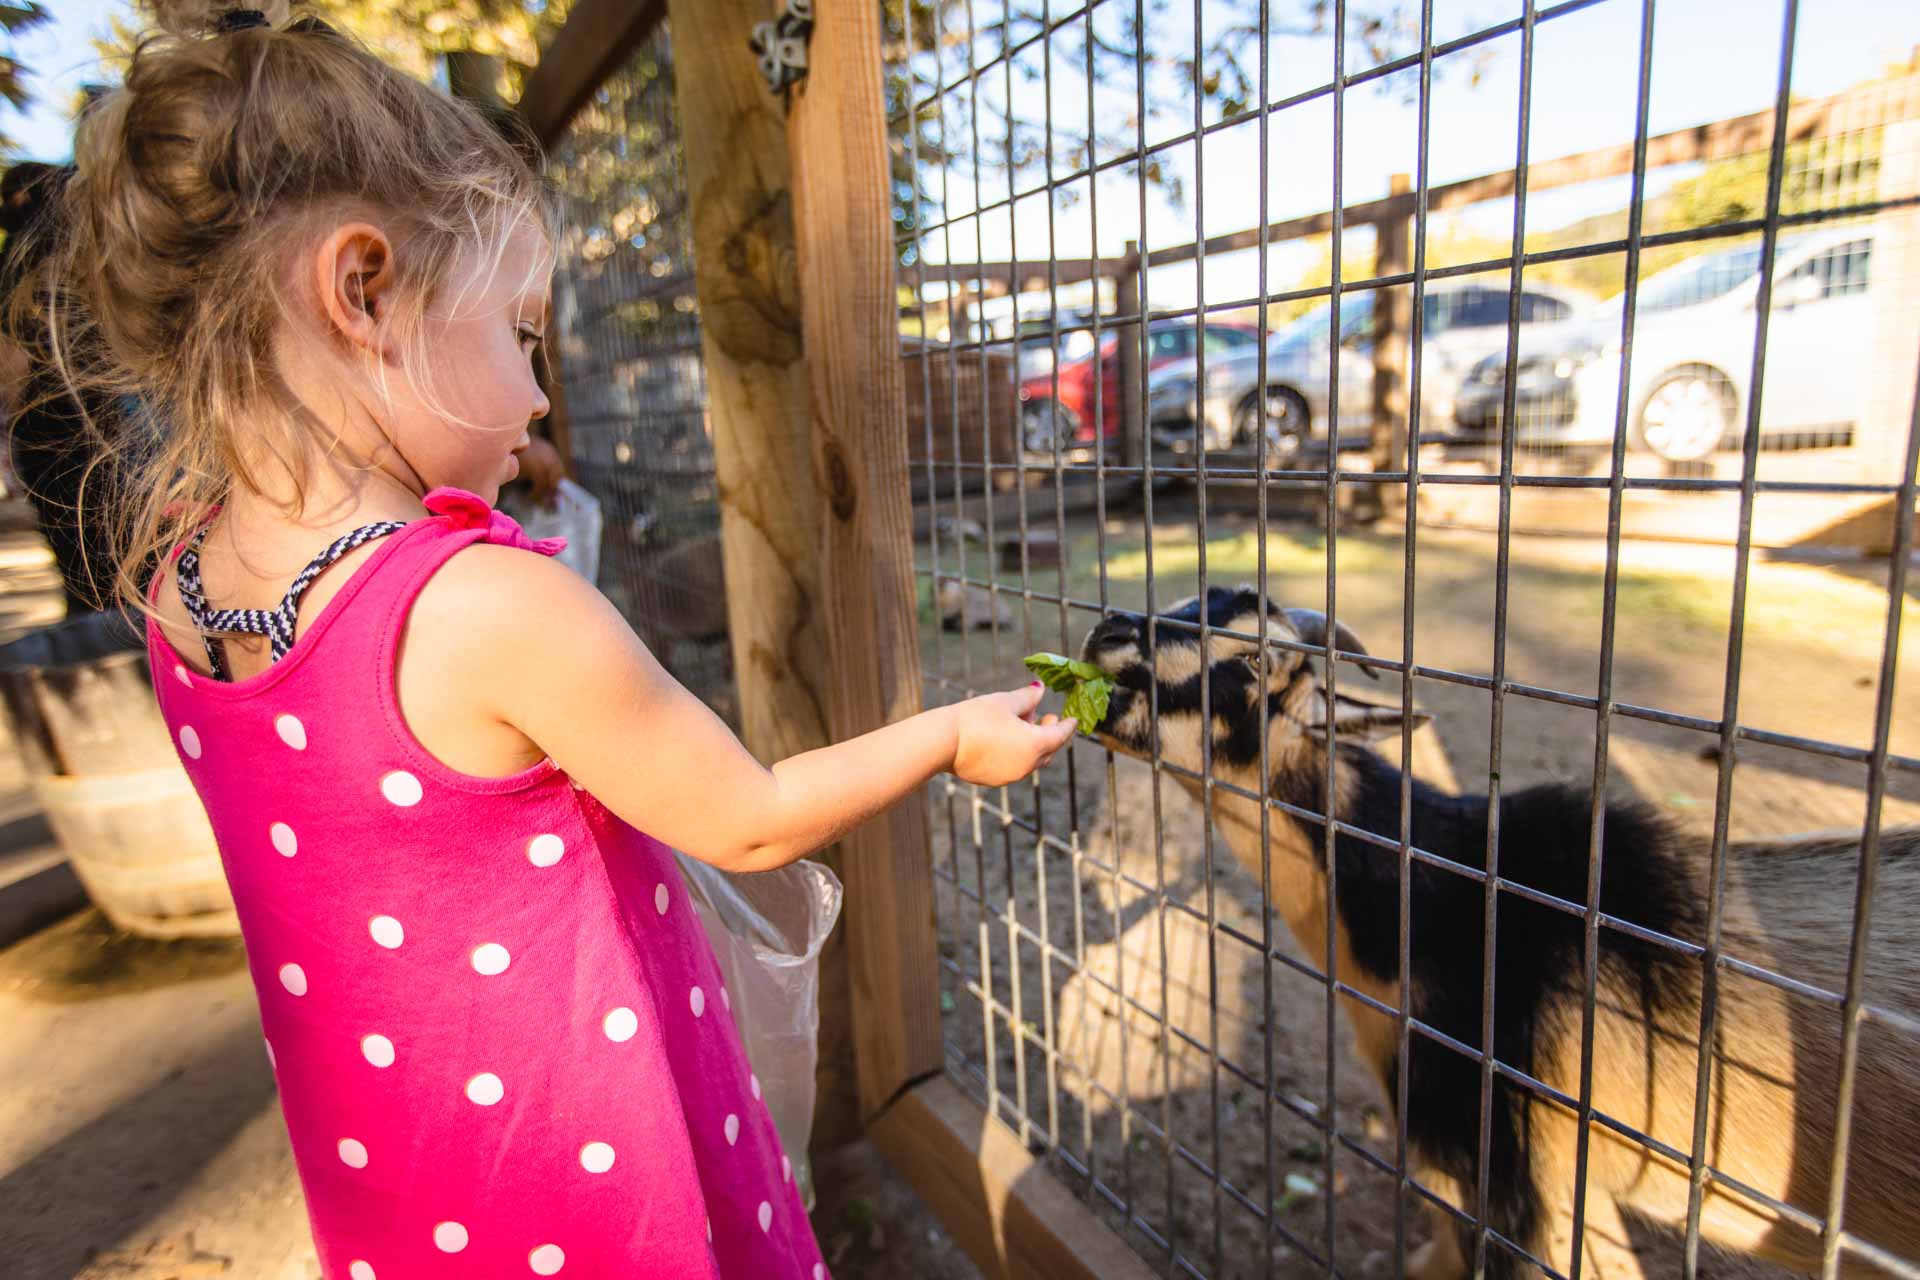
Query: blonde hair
(197, 182)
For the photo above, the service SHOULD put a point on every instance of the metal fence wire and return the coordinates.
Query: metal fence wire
(629, 355)
(1356, 305)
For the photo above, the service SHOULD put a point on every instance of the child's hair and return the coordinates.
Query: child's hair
(200, 180)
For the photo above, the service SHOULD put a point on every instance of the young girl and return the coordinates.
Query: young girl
(444, 775)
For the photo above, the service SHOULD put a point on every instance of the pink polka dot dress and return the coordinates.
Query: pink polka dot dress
(502, 1044)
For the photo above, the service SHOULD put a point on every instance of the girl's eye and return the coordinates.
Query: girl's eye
(529, 336)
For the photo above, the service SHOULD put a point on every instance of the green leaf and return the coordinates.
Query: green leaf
(1088, 688)
(1061, 673)
(1088, 703)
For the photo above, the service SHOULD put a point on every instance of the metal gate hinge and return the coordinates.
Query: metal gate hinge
(781, 45)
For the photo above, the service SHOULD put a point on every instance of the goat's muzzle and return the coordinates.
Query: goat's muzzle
(1114, 631)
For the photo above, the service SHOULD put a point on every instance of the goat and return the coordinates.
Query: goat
(1786, 906)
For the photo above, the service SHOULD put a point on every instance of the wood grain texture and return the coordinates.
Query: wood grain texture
(1392, 322)
(1133, 431)
(746, 278)
(1015, 1220)
(857, 402)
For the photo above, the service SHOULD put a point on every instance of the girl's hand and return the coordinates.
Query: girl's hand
(997, 741)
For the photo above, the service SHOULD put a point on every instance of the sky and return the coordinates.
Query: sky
(61, 58)
(1707, 66)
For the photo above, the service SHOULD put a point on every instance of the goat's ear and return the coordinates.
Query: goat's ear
(1354, 720)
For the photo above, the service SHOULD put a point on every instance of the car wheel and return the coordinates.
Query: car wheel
(1286, 423)
(1045, 423)
(1686, 415)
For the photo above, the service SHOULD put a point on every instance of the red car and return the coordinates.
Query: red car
(1167, 340)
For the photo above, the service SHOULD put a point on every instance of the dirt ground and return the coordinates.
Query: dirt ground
(141, 1138)
(1812, 649)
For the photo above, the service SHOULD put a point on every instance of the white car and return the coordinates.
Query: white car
(1692, 364)
(1464, 320)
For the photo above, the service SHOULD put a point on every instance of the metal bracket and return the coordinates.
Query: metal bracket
(781, 45)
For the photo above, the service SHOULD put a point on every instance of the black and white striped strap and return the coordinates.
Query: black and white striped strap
(275, 624)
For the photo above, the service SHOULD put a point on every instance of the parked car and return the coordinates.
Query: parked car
(1462, 322)
(1038, 348)
(1692, 360)
(1068, 417)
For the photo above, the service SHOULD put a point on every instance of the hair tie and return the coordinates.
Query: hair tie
(240, 20)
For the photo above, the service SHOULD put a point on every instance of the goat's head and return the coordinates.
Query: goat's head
(1164, 674)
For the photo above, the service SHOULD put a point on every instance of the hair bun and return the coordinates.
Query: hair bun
(189, 18)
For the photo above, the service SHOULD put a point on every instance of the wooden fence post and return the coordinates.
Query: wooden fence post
(1887, 415)
(1126, 303)
(857, 399)
(1391, 321)
(745, 274)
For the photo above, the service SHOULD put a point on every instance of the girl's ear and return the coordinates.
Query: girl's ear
(354, 273)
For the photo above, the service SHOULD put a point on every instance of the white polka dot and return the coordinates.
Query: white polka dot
(294, 979)
(596, 1157)
(733, 1128)
(378, 1050)
(401, 788)
(485, 1089)
(386, 931)
(358, 1270)
(190, 742)
(283, 839)
(620, 1025)
(353, 1153)
(766, 1216)
(547, 1260)
(450, 1237)
(490, 958)
(185, 677)
(819, 1271)
(660, 898)
(754, 1082)
(726, 1001)
(291, 732)
(271, 1060)
(786, 1169)
(544, 851)
(698, 999)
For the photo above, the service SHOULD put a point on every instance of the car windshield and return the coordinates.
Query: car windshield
(1706, 278)
(1356, 314)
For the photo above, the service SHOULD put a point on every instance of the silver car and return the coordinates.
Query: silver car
(1693, 356)
(1463, 322)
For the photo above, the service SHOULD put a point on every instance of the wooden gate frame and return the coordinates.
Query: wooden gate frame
(795, 276)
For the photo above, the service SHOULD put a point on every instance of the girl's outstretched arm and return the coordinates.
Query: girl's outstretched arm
(548, 655)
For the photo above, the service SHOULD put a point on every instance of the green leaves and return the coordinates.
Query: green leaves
(1087, 687)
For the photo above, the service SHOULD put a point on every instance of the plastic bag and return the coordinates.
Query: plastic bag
(767, 930)
(573, 514)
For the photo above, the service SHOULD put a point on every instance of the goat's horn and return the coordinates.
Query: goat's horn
(1312, 626)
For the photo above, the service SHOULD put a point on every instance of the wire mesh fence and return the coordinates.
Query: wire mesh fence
(629, 356)
(1219, 309)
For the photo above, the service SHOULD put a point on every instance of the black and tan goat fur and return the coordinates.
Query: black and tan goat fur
(1787, 908)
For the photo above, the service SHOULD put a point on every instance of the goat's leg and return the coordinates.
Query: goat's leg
(1607, 1247)
(1441, 1257)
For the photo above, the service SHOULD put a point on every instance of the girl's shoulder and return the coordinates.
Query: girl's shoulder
(474, 632)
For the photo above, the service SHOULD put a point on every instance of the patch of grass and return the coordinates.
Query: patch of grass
(1235, 557)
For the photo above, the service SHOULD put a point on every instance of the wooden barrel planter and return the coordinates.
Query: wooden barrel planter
(79, 696)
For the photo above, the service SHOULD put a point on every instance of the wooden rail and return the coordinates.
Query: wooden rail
(598, 36)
